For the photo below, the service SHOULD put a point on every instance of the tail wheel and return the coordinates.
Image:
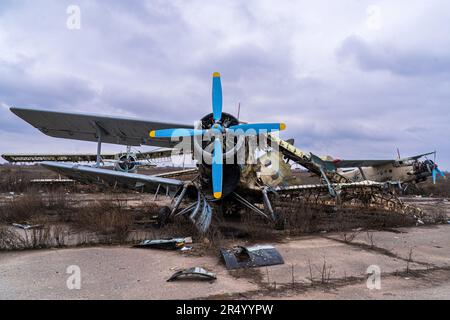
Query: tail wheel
(163, 216)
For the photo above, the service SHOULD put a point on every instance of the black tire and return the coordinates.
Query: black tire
(280, 223)
(163, 216)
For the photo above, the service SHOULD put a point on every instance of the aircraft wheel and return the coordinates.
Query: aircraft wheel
(280, 223)
(163, 216)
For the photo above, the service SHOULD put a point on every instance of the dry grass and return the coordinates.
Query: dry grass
(305, 219)
(108, 218)
(440, 189)
(47, 236)
(22, 208)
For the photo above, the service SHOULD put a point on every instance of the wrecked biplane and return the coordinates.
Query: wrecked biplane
(228, 164)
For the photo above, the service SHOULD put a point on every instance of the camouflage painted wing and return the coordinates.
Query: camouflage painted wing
(123, 131)
(112, 178)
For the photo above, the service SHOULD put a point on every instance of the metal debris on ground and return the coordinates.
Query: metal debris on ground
(196, 273)
(249, 257)
(26, 226)
(166, 244)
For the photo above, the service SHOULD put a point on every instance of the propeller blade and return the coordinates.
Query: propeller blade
(217, 170)
(217, 97)
(257, 127)
(433, 173)
(169, 133)
(438, 171)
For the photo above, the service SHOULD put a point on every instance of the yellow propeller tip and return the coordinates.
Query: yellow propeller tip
(152, 134)
(282, 126)
(217, 195)
(216, 75)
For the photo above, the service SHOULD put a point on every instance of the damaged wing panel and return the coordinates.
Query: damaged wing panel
(250, 257)
(165, 244)
(97, 175)
(195, 273)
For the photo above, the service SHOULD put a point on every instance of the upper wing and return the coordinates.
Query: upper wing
(419, 156)
(114, 178)
(160, 153)
(122, 131)
(331, 165)
(360, 163)
(55, 157)
(373, 163)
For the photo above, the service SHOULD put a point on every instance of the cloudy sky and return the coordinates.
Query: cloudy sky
(352, 79)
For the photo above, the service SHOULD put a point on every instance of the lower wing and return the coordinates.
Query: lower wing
(113, 178)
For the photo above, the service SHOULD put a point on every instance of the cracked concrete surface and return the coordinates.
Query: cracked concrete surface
(127, 273)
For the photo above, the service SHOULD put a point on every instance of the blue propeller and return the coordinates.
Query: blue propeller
(217, 170)
(435, 172)
(240, 129)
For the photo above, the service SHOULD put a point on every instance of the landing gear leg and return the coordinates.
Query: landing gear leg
(277, 219)
(163, 216)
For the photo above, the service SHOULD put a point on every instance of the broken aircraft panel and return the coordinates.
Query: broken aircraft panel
(165, 244)
(250, 257)
(196, 273)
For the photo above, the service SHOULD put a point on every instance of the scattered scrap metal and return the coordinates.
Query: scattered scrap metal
(26, 226)
(249, 257)
(196, 273)
(165, 244)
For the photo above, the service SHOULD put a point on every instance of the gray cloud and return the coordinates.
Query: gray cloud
(342, 88)
(393, 59)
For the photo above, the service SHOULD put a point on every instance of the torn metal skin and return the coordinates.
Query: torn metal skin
(165, 244)
(250, 257)
(196, 273)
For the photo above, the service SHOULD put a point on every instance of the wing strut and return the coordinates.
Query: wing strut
(99, 144)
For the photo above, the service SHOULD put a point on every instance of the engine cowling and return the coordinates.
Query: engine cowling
(126, 163)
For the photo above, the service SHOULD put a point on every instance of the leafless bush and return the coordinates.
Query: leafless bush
(11, 181)
(370, 239)
(427, 188)
(22, 208)
(304, 218)
(255, 226)
(348, 237)
(409, 260)
(324, 273)
(57, 201)
(311, 277)
(45, 236)
(10, 240)
(108, 218)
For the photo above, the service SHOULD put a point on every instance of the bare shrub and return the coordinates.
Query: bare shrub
(429, 189)
(348, 237)
(57, 201)
(10, 240)
(37, 238)
(22, 208)
(108, 218)
(409, 260)
(12, 181)
(370, 239)
(324, 273)
(255, 226)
